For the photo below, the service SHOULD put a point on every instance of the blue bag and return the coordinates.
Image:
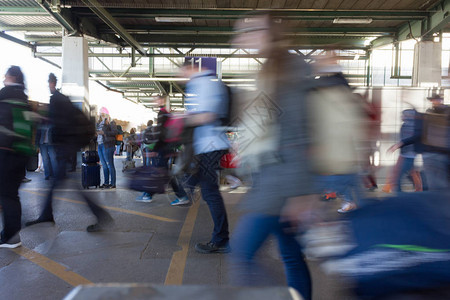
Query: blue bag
(397, 245)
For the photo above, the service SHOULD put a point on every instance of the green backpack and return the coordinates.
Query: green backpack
(22, 127)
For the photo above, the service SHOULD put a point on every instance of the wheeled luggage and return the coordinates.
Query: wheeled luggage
(149, 179)
(90, 157)
(90, 175)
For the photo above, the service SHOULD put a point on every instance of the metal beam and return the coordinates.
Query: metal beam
(230, 30)
(237, 13)
(113, 24)
(62, 16)
(437, 19)
(16, 40)
(22, 11)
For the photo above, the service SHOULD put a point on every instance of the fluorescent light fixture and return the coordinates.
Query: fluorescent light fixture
(356, 57)
(352, 20)
(173, 19)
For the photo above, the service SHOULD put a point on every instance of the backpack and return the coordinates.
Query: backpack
(337, 129)
(149, 136)
(71, 126)
(22, 127)
(436, 131)
(229, 117)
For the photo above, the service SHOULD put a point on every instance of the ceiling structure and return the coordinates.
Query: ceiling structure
(145, 26)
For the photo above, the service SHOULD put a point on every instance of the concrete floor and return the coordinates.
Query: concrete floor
(148, 243)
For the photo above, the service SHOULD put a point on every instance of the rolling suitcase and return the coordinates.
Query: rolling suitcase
(90, 175)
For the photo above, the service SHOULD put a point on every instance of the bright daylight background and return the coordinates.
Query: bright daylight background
(36, 76)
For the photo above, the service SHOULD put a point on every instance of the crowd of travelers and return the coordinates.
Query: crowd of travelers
(300, 136)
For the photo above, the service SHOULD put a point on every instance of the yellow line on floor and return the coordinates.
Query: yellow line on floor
(178, 263)
(53, 267)
(132, 212)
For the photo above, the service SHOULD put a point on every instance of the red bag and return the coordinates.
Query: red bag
(229, 161)
(174, 127)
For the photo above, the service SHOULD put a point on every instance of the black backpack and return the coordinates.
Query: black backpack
(70, 125)
(229, 118)
(150, 136)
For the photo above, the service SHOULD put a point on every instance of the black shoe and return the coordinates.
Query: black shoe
(211, 247)
(12, 243)
(40, 220)
(25, 180)
(111, 187)
(105, 186)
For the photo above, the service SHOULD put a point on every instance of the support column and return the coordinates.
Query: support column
(75, 71)
(427, 64)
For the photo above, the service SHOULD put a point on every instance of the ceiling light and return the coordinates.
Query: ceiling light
(352, 20)
(173, 19)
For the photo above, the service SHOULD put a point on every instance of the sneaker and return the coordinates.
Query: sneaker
(111, 186)
(13, 242)
(25, 180)
(233, 181)
(348, 206)
(211, 247)
(144, 198)
(105, 221)
(180, 201)
(104, 186)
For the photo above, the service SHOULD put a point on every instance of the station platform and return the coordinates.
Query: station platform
(149, 243)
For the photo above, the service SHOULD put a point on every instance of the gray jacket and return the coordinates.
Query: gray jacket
(274, 183)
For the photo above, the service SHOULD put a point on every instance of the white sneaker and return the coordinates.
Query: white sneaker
(347, 207)
(233, 181)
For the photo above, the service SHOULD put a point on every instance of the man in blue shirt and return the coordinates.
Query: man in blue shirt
(206, 103)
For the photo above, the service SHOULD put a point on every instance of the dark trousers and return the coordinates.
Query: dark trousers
(162, 161)
(12, 171)
(63, 154)
(206, 176)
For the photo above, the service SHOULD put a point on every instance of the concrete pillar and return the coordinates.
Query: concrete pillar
(427, 64)
(75, 71)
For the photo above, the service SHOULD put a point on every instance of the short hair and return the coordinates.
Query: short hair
(150, 123)
(16, 72)
(52, 78)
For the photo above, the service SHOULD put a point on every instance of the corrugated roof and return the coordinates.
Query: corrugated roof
(35, 21)
(19, 3)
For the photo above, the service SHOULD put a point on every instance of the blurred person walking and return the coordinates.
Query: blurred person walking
(106, 139)
(432, 139)
(338, 129)
(70, 130)
(277, 150)
(206, 106)
(407, 154)
(158, 156)
(15, 149)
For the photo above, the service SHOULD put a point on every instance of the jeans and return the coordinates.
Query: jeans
(348, 186)
(63, 154)
(206, 176)
(146, 159)
(12, 171)
(249, 235)
(436, 168)
(49, 159)
(406, 166)
(107, 161)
